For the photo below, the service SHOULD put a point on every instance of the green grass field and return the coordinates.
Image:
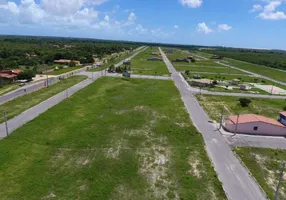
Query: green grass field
(64, 70)
(258, 69)
(266, 107)
(140, 64)
(265, 166)
(20, 104)
(208, 69)
(115, 139)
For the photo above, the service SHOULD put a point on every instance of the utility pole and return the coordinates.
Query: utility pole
(67, 90)
(279, 183)
(47, 77)
(6, 124)
(92, 76)
(221, 118)
(236, 125)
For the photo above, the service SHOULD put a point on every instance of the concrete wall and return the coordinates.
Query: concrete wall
(263, 129)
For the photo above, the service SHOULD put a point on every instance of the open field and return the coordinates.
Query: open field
(115, 139)
(207, 69)
(140, 64)
(258, 69)
(25, 102)
(265, 166)
(64, 70)
(8, 88)
(266, 107)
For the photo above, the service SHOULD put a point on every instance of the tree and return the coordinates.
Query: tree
(244, 102)
(72, 64)
(26, 75)
(215, 82)
(187, 72)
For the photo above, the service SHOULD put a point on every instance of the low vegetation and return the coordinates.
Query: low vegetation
(64, 70)
(140, 64)
(115, 139)
(266, 107)
(265, 165)
(20, 104)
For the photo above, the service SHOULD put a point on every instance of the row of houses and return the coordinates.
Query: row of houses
(256, 124)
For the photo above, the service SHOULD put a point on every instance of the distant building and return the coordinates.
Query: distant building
(65, 62)
(218, 57)
(9, 76)
(155, 59)
(155, 53)
(187, 60)
(235, 81)
(245, 87)
(201, 82)
(255, 124)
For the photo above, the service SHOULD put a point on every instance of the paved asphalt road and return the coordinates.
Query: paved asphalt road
(236, 180)
(20, 92)
(257, 75)
(256, 141)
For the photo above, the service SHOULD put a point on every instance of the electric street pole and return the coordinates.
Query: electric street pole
(236, 125)
(221, 118)
(6, 124)
(279, 183)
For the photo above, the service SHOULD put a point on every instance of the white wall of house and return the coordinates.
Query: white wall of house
(262, 129)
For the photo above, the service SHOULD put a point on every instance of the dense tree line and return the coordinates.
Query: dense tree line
(18, 51)
(270, 58)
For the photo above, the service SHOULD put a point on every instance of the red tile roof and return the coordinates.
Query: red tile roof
(250, 118)
(283, 113)
(9, 76)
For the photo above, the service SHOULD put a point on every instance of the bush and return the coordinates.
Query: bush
(244, 102)
(26, 75)
(187, 72)
(284, 108)
(215, 82)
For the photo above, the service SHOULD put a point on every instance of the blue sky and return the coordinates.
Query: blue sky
(236, 23)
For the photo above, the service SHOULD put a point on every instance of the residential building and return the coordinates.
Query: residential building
(235, 81)
(254, 124)
(9, 76)
(201, 82)
(155, 53)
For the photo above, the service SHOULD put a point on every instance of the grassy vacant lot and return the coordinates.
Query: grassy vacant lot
(25, 102)
(115, 139)
(266, 107)
(64, 70)
(194, 68)
(258, 69)
(265, 166)
(140, 64)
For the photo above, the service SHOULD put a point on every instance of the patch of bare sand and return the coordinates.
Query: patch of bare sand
(195, 164)
(115, 147)
(49, 196)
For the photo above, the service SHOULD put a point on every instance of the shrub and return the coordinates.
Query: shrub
(284, 108)
(215, 82)
(187, 72)
(244, 102)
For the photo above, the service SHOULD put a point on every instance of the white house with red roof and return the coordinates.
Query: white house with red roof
(256, 125)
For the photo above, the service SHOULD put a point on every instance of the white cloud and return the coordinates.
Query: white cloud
(139, 29)
(202, 27)
(191, 3)
(176, 26)
(224, 27)
(132, 17)
(256, 8)
(269, 11)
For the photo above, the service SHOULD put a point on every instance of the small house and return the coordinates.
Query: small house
(9, 76)
(155, 53)
(255, 124)
(201, 82)
(65, 61)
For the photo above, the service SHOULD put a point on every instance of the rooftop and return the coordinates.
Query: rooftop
(283, 113)
(250, 118)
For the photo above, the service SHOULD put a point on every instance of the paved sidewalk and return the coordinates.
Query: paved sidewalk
(236, 180)
(141, 76)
